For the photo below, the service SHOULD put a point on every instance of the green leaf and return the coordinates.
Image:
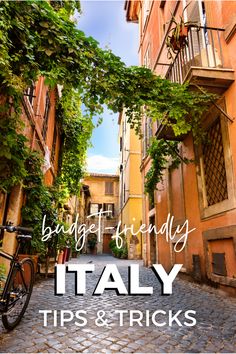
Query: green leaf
(49, 52)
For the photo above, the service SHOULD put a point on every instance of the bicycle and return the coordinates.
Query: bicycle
(19, 281)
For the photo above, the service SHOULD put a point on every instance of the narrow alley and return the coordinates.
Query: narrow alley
(215, 330)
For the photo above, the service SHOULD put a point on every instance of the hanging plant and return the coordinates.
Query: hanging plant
(177, 37)
(163, 154)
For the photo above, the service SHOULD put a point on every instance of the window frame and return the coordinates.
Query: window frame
(227, 204)
(109, 191)
(147, 57)
(107, 206)
(147, 135)
(146, 12)
(53, 151)
(46, 116)
(30, 94)
(99, 207)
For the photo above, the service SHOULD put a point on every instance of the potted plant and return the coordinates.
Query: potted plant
(177, 37)
(119, 252)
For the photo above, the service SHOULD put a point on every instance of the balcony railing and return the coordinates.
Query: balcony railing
(204, 49)
(201, 63)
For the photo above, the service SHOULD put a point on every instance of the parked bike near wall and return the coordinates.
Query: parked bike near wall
(19, 282)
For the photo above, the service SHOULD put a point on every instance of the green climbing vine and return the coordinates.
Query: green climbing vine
(40, 38)
(42, 200)
(76, 133)
(163, 153)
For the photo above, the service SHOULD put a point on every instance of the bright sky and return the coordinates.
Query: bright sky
(105, 21)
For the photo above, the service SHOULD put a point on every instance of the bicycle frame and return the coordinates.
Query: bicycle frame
(14, 263)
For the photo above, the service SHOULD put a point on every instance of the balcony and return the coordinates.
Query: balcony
(201, 63)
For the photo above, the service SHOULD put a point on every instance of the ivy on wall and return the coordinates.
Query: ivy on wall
(76, 134)
(40, 38)
(163, 153)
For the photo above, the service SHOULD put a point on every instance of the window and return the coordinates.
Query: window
(215, 170)
(218, 264)
(121, 144)
(214, 165)
(147, 57)
(146, 10)
(54, 144)
(151, 202)
(95, 208)
(162, 4)
(195, 13)
(46, 116)
(29, 93)
(109, 188)
(147, 134)
(109, 207)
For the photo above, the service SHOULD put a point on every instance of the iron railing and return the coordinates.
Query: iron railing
(203, 49)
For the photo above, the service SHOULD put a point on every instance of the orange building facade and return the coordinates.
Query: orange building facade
(43, 134)
(202, 192)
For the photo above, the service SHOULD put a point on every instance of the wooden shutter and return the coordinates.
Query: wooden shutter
(113, 209)
(99, 207)
(46, 116)
(109, 188)
(193, 15)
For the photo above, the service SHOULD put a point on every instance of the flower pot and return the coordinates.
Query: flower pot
(184, 31)
(60, 257)
(181, 41)
(66, 254)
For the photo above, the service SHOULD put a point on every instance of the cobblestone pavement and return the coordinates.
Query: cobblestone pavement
(215, 330)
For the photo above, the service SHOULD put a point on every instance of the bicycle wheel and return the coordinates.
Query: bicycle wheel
(18, 293)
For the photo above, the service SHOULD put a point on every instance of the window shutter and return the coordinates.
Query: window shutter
(46, 116)
(121, 143)
(109, 188)
(54, 144)
(99, 207)
(193, 15)
(146, 10)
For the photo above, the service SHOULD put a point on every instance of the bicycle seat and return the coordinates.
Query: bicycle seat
(23, 237)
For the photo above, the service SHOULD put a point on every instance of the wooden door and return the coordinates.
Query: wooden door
(106, 240)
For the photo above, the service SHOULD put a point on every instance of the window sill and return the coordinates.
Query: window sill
(218, 208)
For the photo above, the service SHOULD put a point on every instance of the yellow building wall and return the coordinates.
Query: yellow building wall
(96, 184)
(132, 215)
(131, 210)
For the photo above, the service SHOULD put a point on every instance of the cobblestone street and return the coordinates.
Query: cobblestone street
(215, 330)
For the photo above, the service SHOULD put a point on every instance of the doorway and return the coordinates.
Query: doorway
(106, 241)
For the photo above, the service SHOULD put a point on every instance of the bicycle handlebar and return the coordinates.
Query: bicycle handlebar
(11, 228)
